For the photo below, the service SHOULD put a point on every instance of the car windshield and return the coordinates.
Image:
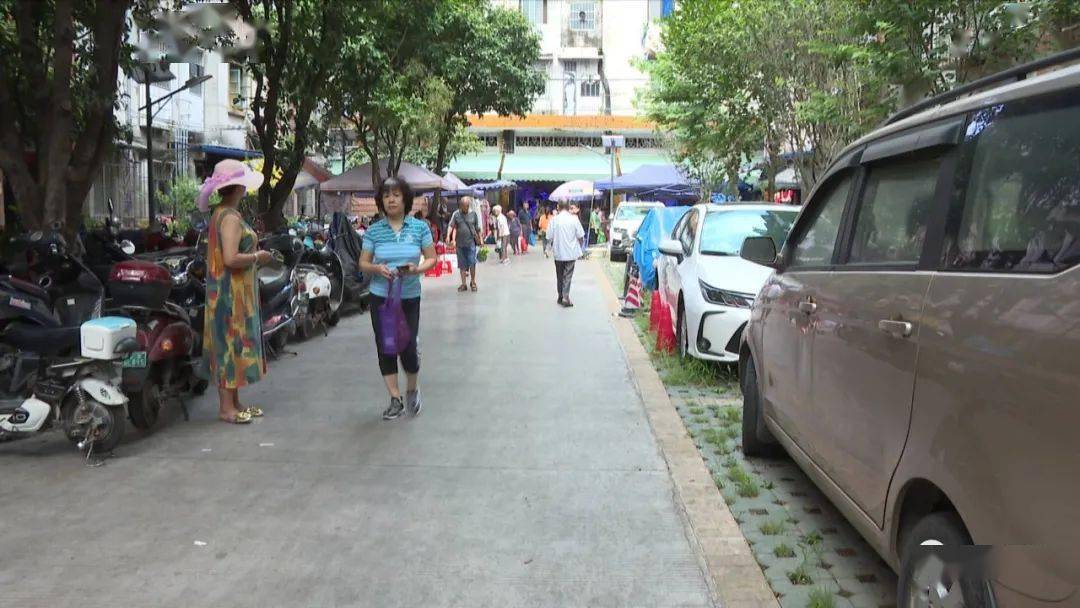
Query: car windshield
(627, 212)
(725, 231)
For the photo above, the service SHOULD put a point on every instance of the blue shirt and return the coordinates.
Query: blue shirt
(397, 249)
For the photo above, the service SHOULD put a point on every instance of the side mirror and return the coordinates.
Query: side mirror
(127, 247)
(673, 248)
(759, 250)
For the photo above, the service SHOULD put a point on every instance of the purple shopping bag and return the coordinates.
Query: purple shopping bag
(394, 332)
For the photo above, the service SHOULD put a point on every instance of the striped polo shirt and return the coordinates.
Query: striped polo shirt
(397, 249)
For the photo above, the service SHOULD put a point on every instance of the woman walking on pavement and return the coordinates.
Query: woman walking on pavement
(392, 250)
(545, 220)
(232, 331)
(515, 232)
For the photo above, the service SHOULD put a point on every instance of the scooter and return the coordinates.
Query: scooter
(59, 360)
(345, 244)
(163, 369)
(321, 279)
(282, 303)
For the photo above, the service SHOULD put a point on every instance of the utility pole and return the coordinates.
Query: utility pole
(149, 151)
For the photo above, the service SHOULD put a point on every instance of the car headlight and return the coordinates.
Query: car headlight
(724, 297)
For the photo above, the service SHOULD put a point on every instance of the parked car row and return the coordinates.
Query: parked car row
(910, 340)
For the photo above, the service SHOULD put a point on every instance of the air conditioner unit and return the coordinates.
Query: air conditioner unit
(506, 141)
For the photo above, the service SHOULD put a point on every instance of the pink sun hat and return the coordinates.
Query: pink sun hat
(228, 172)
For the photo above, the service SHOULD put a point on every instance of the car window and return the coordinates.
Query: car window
(1021, 208)
(689, 231)
(724, 231)
(890, 226)
(816, 243)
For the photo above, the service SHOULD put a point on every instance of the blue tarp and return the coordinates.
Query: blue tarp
(658, 181)
(657, 225)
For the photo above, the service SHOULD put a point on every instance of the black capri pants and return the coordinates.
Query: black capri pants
(410, 358)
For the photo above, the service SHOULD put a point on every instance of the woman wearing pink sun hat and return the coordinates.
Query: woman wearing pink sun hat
(232, 334)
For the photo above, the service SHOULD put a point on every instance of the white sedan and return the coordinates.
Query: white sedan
(704, 282)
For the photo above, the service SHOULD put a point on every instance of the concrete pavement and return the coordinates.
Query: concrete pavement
(532, 478)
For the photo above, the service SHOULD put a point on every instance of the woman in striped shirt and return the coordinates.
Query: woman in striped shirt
(392, 250)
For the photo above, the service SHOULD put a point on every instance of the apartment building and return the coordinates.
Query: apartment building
(591, 51)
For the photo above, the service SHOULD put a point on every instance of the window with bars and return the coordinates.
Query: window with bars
(237, 94)
(569, 65)
(535, 11)
(590, 88)
(583, 16)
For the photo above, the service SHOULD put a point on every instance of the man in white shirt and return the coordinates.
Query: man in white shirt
(566, 235)
(502, 229)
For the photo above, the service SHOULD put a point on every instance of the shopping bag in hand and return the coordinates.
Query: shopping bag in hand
(394, 332)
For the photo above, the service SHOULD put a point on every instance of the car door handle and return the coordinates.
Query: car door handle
(896, 329)
(808, 307)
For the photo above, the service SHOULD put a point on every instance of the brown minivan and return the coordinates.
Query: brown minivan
(917, 351)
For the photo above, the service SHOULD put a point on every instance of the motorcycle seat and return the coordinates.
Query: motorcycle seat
(44, 340)
(272, 282)
(24, 286)
(277, 300)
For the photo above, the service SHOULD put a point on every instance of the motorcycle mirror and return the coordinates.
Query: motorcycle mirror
(127, 247)
(292, 231)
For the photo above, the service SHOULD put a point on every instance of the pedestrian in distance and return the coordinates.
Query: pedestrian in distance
(567, 235)
(545, 220)
(526, 219)
(465, 237)
(502, 232)
(392, 251)
(232, 329)
(515, 232)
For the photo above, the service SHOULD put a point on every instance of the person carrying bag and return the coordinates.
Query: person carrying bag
(391, 255)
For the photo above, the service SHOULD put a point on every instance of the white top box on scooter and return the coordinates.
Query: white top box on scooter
(100, 336)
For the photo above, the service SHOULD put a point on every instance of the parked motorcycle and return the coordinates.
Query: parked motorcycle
(170, 345)
(345, 243)
(321, 280)
(59, 359)
(282, 303)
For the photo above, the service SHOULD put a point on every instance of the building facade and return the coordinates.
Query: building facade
(591, 56)
(211, 115)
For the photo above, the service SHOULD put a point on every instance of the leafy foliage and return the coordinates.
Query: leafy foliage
(743, 78)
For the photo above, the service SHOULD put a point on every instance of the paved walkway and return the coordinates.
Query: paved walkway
(532, 478)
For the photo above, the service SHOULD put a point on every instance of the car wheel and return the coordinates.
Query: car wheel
(939, 567)
(683, 333)
(756, 438)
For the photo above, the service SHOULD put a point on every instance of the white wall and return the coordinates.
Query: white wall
(622, 24)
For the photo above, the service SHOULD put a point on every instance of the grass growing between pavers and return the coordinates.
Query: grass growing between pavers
(809, 554)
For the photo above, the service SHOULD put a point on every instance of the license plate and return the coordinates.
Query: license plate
(136, 359)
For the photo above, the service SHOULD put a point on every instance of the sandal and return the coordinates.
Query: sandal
(241, 417)
(473, 287)
(462, 289)
(254, 410)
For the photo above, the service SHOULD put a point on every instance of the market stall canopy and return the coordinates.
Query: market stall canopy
(550, 164)
(501, 184)
(358, 179)
(453, 186)
(576, 190)
(662, 180)
(788, 178)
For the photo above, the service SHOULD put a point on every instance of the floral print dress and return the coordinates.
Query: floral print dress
(232, 335)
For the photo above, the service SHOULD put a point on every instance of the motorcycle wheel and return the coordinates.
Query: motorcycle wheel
(199, 387)
(112, 430)
(144, 406)
(279, 340)
(333, 317)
